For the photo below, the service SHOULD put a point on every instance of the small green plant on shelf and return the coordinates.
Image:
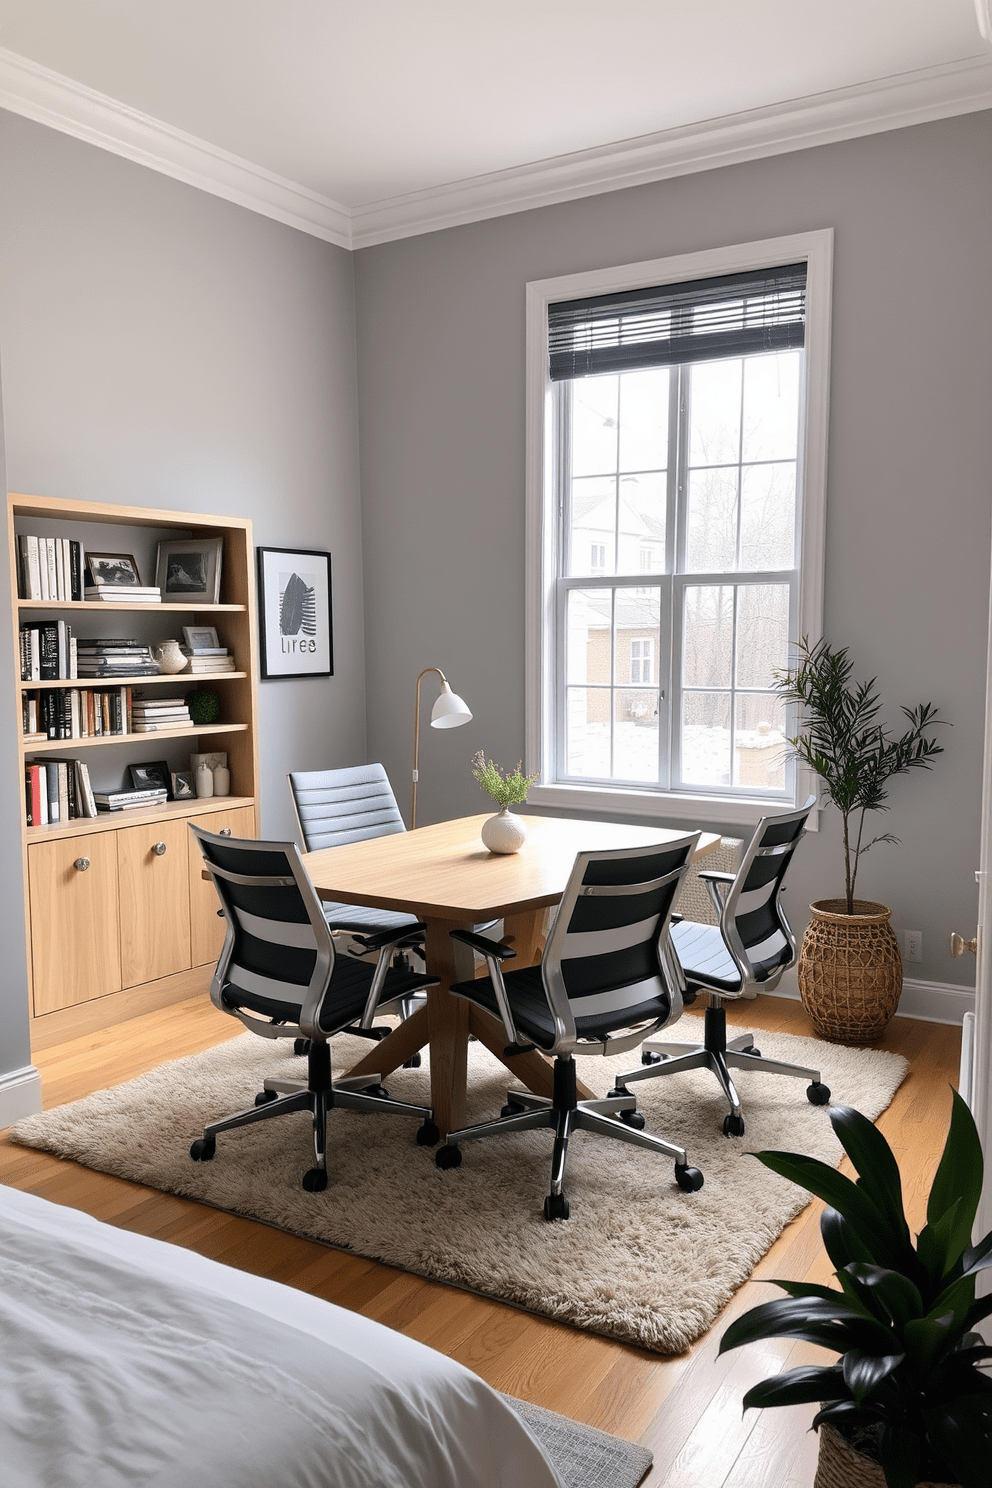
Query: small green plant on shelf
(204, 706)
(908, 1391)
(506, 790)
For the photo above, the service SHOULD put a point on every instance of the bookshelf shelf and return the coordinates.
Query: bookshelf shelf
(181, 679)
(113, 821)
(100, 607)
(63, 747)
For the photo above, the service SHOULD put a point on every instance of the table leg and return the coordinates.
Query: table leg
(525, 933)
(449, 961)
(396, 1048)
(531, 1069)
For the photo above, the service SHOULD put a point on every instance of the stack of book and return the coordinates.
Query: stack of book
(57, 790)
(49, 650)
(76, 712)
(128, 800)
(124, 593)
(209, 659)
(50, 568)
(151, 714)
(114, 658)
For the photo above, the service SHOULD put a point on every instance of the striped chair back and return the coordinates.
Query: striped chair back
(338, 806)
(278, 954)
(754, 923)
(608, 955)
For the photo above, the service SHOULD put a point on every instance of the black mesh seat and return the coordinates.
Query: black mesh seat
(279, 975)
(751, 947)
(607, 979)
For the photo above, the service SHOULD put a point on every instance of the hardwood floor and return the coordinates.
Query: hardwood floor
(686, 1409)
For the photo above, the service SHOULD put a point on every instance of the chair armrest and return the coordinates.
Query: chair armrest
(384, 938)
(716, 875)
(483, 945)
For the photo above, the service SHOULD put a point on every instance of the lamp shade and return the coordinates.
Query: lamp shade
(450, 711)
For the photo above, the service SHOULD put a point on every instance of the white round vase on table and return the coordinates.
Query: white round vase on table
(204, 780)
(168, 657)
(503, 833)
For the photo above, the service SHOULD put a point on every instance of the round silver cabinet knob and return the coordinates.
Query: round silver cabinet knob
(225, 831)
(81, 864)
(159, 849)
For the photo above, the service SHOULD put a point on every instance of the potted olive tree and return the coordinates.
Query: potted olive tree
(908, 1401)
(850, 970)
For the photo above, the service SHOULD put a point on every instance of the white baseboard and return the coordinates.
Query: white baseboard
(20, 1094)
(930, 1002)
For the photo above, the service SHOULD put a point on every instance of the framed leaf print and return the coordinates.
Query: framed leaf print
(294, 592)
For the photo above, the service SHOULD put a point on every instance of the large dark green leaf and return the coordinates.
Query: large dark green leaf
(874, 1160)
(959, 1174)
(862, 1372)
(955, 1299)
(899, 1451)
(798, 1387)
(896, 1293)
(871, 1227)
(961, 1434)
(839, 1240)
(926, 1339)
(979, 1310)
(978, 1257)
(833, 1325)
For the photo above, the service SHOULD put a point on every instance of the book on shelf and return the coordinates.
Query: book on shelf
(205, 665)
(49, 568)
(128, 800)
(58, 790)
(122, 594)
(77, 713)
(48, 651)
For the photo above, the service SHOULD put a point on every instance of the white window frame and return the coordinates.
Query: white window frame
(544, 534)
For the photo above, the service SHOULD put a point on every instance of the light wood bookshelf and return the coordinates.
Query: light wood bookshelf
(133, 911)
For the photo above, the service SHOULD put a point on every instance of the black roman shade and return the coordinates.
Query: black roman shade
(700, 320)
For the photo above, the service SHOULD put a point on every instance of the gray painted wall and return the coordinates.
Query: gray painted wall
(441, 398)
(162, 347)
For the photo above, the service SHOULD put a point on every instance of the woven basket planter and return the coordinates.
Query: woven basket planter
(850, 970)
(840, 1466)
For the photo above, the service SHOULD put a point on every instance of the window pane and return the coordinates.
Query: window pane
(638, 637)
(593, 526)
(706, 738)
(635, 735)
(643, 506)
(587, 732)
(760, 750)
(771, 406)
(768, 516)
(594, 425)
(707, 635)
(715, 413)
(588, 620)
(644, 419)
(711, 521)
(762, 633)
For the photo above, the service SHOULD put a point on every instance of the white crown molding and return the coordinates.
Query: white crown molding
(50, 98)
(824, 118)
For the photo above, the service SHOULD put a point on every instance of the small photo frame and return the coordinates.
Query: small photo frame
(294, 613)
(112, 571)
(201, 638)
(188, 569)
(183, 785)
(153, 776)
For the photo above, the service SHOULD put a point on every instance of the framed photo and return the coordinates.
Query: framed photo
(155, 776)
(112, 570)
(294, 613)
(183, 786)
(201, 638)
(188, 568)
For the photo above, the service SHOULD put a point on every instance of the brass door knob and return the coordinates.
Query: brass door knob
(159, 849)
(959, 945)
(81, 864)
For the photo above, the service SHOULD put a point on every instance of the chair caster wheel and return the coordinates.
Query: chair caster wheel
(428, 1135)
(648, 1058)
(617, 1092)
(733, 1126)
(413, 1062)
(315, 1180)
(555, 1207)
(818, 1094)
(448, 1157)
(265, 1097)
(689, 1180)
(379, 1090)
(510, 1109)
(632, 1118)
(203, 1149)
(301, 1046)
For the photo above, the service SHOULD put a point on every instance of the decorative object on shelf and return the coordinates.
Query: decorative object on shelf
(222, 780)
(153, 776)
(211, 759)
(502, 833)
(189, 569)
(183, 785)
(294, 613)
(168, 657)
(449, 711)
(204, 705)
(850, 971)
(204, 781)
(112, 571)
(201, 639)
(909, 1397)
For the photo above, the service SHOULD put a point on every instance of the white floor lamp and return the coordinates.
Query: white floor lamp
(450, 711)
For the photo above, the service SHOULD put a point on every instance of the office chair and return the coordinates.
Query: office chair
(606, 979)
(279, 975)
(751, 947)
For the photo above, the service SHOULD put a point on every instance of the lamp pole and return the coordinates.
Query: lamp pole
(450, 711)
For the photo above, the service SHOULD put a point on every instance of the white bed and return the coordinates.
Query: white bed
(127, 1361)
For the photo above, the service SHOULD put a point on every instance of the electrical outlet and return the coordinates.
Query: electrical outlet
(914, 945)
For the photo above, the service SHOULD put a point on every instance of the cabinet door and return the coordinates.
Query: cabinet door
(154, 901)
(206, 926)
(74, 920)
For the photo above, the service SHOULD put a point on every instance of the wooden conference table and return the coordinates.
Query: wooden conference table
(444, 876)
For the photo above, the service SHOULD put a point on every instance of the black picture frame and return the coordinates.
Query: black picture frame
(149, 773)
(296, 637)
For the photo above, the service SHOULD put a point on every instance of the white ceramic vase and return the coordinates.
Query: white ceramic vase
(503, 833)
(168, 657)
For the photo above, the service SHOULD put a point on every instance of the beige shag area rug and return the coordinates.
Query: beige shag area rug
(639, 1260)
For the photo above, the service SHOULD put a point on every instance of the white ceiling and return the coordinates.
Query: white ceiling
(363, 101)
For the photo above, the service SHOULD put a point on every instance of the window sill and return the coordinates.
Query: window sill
(666, 806)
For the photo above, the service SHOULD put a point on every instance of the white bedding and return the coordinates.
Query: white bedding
(127, 1361)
